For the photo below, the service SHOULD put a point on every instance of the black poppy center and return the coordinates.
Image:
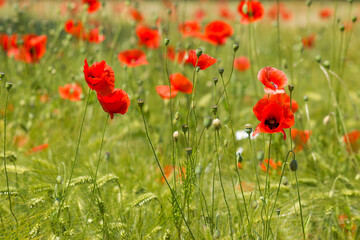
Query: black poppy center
(271, 123)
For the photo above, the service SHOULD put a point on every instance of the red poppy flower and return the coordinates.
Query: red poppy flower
(204, 61)
(216, 32)
(94, 5)
(33, 48)
(20, 140)
(169, 170)
(132, 58)
(225, 13)
(300, 138)
(100, 77)
(173, 55)
(283, 99)
(116, 102)
(8, 42)
(136, 15)
(325, 13)
(250, 11)
(2, 2)
(272, 165)
(273, 116)
(309, 41)
(71, 91)
(148, 37)
(181, 83)
(94, 37)
(273, 79)
(284, 13)
(190, 29)
(76, 30)
(199, 14)
(39, 148)
(246, 187)
(242, 63)
(164, 91)
(352, 139)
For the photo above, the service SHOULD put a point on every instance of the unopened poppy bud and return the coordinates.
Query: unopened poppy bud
(59, 179)
(217, 234)
(177, 116)
(260, 155)
(199, 52)
(341, 27)
(248, 128)
(278, 212)
(214, 109)
(354, 19)
(226, 143)
(188, 151)
(185, 128)
(326, 120)
(166, 41)
(140, 103)
(254, 204)
(221, 71)
(284, 181)
(318, 58)
(239, 157)
(198, 169)
(293, 165)
(306, 98)
(198, 69)
(216, 123)
(2, 75)
(176, 136)
(235, 47)
(8, 86)
(245, 9)
(207, 122)
(291, 87)
(308, 3)
(326, 64)
(215, 81)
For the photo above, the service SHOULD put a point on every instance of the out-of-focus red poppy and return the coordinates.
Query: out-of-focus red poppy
(132, 58)
(284, 13)
(216, 32)
(325, 13)
(8, 42)
(199, 14)
(44, 98)
(20, 140)
(225, 13)
(190, 29)
(181, 83)
(173, 55)
(272, 165)
(239, 165)
(273, 116)
(148, 37)
(204, 61)
(100, 77)
(39, 148)
(250, 11)
(242, 63)
(300, 138)
(116, 102)
(169, 171)
(94, 5)
(75, 29)
(309, 41)
(136, 15)
(94, 37)
(69, 6)
(164, 91)
(33, 48)
(283, 99)
(2, 2)
(352, 139)
(246, 187)
(346, 224)
(71, 91)
(273, 79)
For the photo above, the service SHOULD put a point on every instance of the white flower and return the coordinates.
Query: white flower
(240, 135)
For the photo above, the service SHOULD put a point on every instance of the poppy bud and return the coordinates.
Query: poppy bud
(176, 136)
(8, 86)
(215, 81)
(248, 128)
(207, 122)
(260, 155)
(306, 98)
(59, 179)
(308, 3)
(177, 116)
(254, 204)
(221, 71)
(235, 47)
(245, 9)
(166, 41)
(198, 69)
(198, 169)
(326, 120)
(278, 212)
(185, 128)
(214, 109)
(140, 103)
(284, 181)
(293, 165)
(198, 52)
(354, 19)
(326, 64)
(318, 58)
(239, 157)
(216, 123)
(291, 87)
(341, 27)
(188, 151)
(217, 234)
(2, 75)
(350, 1)
(226, 143)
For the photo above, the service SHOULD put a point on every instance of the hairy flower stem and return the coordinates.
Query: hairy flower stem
(217, 137)
(95, 176)
(5, 169)
(301, 215)
(163, 175)
(255, 168)
(267, 187)
(194, 80)
(76, 156)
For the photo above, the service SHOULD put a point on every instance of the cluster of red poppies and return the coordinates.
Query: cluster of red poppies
(30, 48)
(78, 30)
(101, 78)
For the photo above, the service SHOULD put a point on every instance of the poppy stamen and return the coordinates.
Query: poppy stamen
(272, 123)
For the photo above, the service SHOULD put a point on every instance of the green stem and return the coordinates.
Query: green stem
(301, 216)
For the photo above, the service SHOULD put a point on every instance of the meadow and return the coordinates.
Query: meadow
(179, 119)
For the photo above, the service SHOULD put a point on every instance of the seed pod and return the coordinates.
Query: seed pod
(248, 128)
(293, 165)
(199, 52)
(216, 123)
(140, 103)
(235, 47)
